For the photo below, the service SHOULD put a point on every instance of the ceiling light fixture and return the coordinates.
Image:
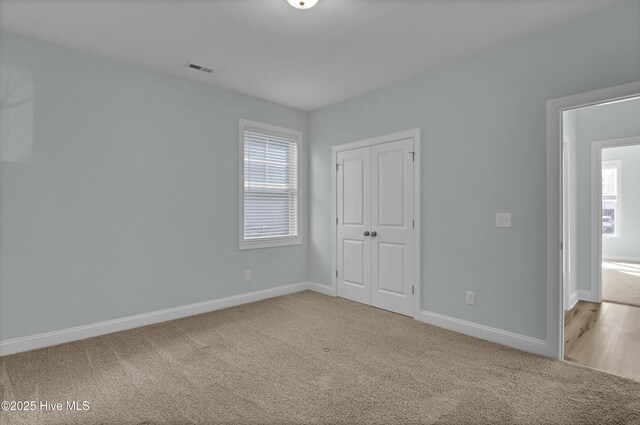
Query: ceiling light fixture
(303, 4)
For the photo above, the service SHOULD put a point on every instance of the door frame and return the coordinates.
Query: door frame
(415, 134)
(555, 290)
(596, 208)
(566, 216)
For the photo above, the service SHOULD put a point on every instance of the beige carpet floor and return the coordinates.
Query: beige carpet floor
(621, 282)
(308, 359)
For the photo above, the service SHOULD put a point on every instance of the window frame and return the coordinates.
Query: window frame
(614, 164)
(268, 129)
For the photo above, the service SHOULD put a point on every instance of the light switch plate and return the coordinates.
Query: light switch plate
(470, 298)
(503, 219)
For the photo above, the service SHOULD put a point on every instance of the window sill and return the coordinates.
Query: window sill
(269, 243)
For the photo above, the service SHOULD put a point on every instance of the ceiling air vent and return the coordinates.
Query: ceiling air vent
(200, 68)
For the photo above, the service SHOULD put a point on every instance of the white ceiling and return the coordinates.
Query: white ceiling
(305, 59)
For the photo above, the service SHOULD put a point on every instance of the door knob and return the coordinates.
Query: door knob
(374, 234)
(366, 233)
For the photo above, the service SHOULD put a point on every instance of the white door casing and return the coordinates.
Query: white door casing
(555, 287)
(596, 210)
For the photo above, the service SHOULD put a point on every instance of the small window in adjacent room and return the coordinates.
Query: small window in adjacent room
(610, 197)
(270, 195)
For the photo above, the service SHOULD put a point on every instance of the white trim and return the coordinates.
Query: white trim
(46, 339)
(321, 288)
(555, 292)
(417, 202)
(568, 271)
(596, 208)
(596, 219)
(334, 218)
(62, 336)
(573, 299)
(417, 173)
(274, 130)
(406, 134)
(510, 339)
(577, 295)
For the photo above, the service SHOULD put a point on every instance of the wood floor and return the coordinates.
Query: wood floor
(604, 336)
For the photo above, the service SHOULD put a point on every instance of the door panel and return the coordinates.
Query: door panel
(391, 203)
(353, 171)
(391, 260)
(354, 217)
(392, 219)
(354, 262)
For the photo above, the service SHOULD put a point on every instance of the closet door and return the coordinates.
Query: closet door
(391, 228)
(354, 220)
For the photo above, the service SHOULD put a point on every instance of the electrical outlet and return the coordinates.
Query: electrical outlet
(471, 298)
(247, 275)
(503, 219)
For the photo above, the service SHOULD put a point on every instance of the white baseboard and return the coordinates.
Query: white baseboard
(47, 339)
(514, 340)
(573, 299)
(580, 294)
(321, 288)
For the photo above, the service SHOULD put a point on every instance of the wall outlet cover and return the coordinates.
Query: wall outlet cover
(503, 219)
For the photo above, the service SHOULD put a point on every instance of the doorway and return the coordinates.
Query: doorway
(556, 290)
(376, 231)
(619, 250)
(600, 228)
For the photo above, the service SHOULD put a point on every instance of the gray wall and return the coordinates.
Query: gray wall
(119, 195)
(626, 245)
(483, 125)
(127, 200)
(595, 124)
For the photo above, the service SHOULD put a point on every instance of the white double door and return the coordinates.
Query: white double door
(375, 238)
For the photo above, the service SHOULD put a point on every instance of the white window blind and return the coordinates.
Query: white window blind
(609, 180)
(270, 185)
(610, 197)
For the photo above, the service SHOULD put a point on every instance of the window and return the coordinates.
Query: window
(610, 197)
(270, 195)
